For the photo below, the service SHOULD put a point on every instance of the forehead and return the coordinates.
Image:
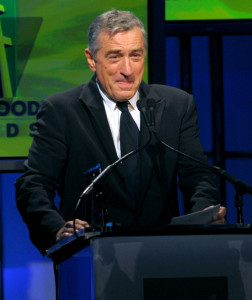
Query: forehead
(132, 39)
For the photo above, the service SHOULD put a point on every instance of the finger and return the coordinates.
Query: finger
(68, 224)
(82, 223)
(221, 213)
(68, 231)
(79, 224)
(219, 221)
(66, 234)
(79, 227)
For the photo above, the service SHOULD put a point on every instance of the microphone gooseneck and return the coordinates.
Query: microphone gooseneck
(147, 108)
(240, 187)
(111, 167)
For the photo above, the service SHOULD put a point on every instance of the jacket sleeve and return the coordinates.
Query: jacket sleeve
(197, 182)
(36, 188)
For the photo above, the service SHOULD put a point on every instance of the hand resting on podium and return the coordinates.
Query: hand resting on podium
(68, 229)
(220, 216)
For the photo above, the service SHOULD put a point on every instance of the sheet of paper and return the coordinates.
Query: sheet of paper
(200, 217)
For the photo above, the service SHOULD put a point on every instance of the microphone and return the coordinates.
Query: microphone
(149, 119)
(151, 104)
(141, 105)
(147, 108)
(106, 172)
(111, 167)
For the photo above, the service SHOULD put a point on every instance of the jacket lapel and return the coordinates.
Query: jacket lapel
(92, 100)
(93, 103)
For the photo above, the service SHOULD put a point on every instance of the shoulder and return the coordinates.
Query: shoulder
(165, 91)
(63, 102)
(171, 100)
(160, 91)
(66, 96)
(167, 95)
(60, 106)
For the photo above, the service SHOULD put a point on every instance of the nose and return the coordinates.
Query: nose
(126, 67)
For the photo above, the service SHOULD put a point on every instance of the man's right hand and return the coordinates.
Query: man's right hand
(68, 229)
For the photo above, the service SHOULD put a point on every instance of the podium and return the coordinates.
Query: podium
(179, 262)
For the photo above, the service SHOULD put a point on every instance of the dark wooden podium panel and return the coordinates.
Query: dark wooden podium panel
(181, 264)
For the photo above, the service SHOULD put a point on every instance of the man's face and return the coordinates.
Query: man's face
(119, 63)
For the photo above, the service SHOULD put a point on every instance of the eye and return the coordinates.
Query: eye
(114, 57)
(136, 55)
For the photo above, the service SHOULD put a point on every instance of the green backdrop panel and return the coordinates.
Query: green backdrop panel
(42, 46)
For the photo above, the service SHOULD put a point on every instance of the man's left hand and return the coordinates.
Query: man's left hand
(220, 216)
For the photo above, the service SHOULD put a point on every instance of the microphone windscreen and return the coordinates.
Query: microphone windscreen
(151, 103)
(141, 103)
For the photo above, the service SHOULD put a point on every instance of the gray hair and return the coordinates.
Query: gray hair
(113, 21)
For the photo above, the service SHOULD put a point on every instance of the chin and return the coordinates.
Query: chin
(124, 96)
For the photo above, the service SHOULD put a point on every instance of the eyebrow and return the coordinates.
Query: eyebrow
(120, 51)
(112, 52)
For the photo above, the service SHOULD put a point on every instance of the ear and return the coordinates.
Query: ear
(90, 60)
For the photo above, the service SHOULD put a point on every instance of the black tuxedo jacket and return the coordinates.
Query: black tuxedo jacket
(73, 135)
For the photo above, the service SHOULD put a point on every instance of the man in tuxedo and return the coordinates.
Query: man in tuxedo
(80, 128)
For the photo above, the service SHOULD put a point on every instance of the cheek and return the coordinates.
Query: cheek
(140, 73)
(108, 73)
(140, 68)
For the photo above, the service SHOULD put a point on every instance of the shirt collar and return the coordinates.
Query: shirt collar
(112, 104)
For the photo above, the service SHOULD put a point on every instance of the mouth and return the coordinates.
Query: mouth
(125, 84)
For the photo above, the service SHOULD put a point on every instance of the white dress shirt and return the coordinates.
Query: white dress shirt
(114, 114)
